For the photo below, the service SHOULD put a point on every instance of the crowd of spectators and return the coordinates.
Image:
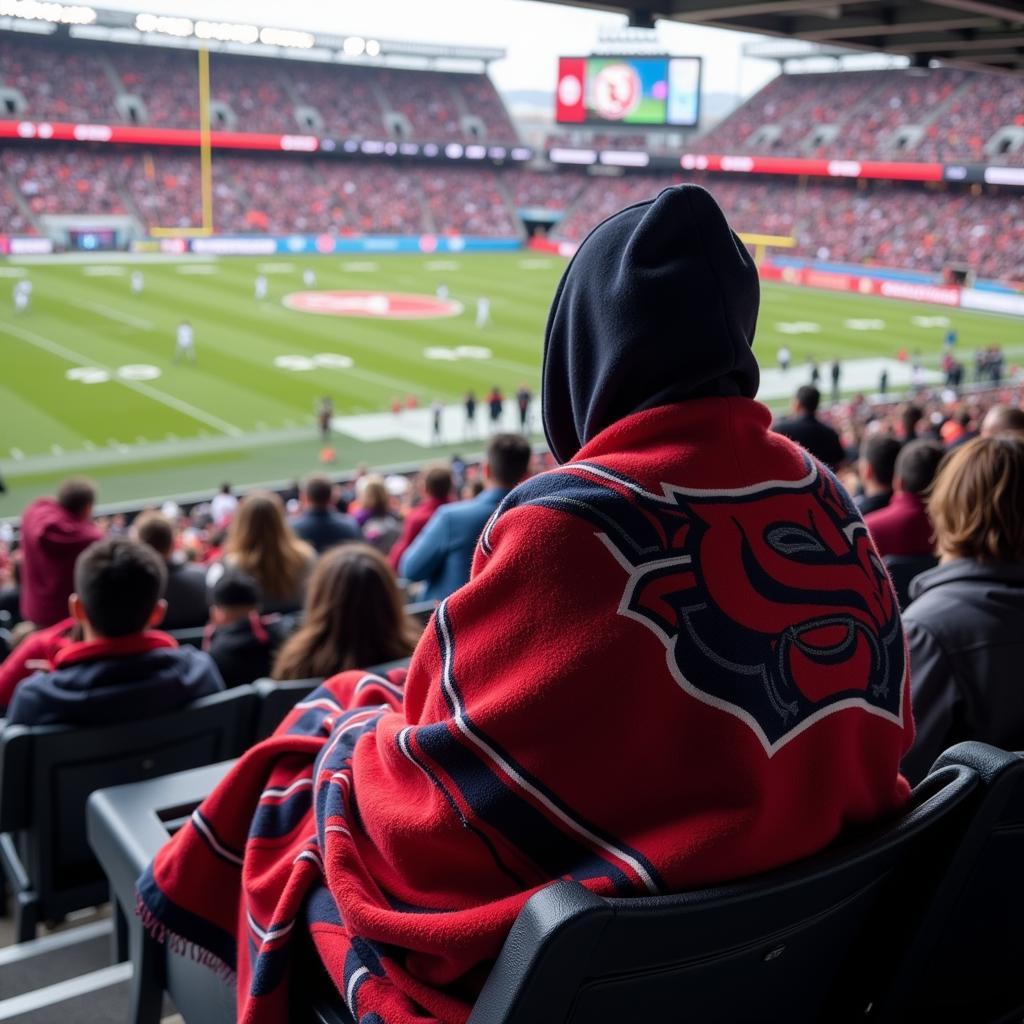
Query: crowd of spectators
(884, 224)
(81, 82)
(543, 191)
(958, 110)
(468, 202)
(76, 182)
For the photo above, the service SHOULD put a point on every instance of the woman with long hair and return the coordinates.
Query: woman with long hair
(380, 526)
(354, 617)
(261, 544)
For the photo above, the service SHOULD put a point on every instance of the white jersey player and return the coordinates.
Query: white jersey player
(483, 311)
(22, 295)
(442, 292)
(261, 287)
(138, 282)
(309, 278)
(186, 346)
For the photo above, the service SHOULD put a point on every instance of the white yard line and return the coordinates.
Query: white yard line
(124, 318)
(53, 347)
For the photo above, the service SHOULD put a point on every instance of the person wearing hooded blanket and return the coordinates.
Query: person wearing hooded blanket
(678, 661)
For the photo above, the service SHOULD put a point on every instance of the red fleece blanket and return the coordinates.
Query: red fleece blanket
(679, 660)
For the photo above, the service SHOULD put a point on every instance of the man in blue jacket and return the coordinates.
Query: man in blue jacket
(321, 525)
(442, 554)
(123, 668)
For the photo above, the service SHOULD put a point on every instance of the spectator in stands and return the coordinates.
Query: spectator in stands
(261, 543)
(964, 626)
(1003, 419)
(223, 506)
(442, 554)
(640, 685)
(807, 430)
(53, 534)
(320, 525)
(435, 486)
(354, 616)
(903, 527)
(35, 653)
(186, 592)
(380, 526)
(122, 668)
(241, 641)
(876, 466)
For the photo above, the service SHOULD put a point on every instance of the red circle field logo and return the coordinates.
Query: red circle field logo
(373, 305)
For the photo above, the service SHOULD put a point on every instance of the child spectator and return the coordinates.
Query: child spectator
(354, 616)
(239, 640)
(122, 668)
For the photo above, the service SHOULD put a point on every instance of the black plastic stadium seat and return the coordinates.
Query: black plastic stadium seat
(190, 637)
(904, 569)
(965, 961)
(278, 697)
(799, 941)
(48, 772)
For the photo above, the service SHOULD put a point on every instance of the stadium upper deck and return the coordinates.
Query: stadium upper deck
(60, 80)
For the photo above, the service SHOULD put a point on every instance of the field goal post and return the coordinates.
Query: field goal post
(205, 159)
(762, 243)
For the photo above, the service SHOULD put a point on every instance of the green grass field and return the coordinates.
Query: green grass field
(162, 428)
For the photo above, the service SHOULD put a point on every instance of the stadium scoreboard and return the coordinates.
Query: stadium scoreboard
(629, 90)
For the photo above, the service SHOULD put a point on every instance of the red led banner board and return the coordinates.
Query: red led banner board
(58, 131)
(887, 169)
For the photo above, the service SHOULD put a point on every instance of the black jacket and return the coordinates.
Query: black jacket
(817, 437)
(323, 528)
(100, 682)
(965, 630)
(244, 650)
(186, 596)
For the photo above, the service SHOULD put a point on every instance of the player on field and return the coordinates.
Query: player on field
(436, 412)
(22, 295)
(309, 277)
(483, 311)
(470, 403)
(442, 291)
(324, 415)
(261, 287)
(524, 396)
(186, 345)
(784, 358)
(137, 282)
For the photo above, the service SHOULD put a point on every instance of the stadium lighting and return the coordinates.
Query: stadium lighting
(166, 26)
(354, 46)
(55, 14)
(225, 32)
(372, 48)
(287, 38)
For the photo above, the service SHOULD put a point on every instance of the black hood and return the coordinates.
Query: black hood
(658, 305)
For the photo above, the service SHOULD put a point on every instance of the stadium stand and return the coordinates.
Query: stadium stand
(941, 114)
(117, 84)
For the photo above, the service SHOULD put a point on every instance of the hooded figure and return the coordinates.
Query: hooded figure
(678, 661)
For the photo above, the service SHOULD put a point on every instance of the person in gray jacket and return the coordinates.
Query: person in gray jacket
(965, 626)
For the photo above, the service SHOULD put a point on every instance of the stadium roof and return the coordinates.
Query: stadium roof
(982, 34)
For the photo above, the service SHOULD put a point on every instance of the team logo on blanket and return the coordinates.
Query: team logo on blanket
(771, 599)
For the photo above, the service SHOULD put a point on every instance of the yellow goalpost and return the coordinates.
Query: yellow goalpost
(205, 159)
(762, 243)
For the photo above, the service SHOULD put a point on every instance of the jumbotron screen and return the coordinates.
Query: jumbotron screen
(628, 90)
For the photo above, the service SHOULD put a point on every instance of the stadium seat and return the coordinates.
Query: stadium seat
(190, 637)
(796, 940)
(47, 773)
(964, 962)
(904, 569)
(278, 697)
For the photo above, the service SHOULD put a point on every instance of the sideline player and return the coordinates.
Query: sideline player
(436, 413)
(524, 397)
(324, 415)
(186, 345)
(261, 288)
(483, 311)
(470, 403)
(138, 282)
(22, 295)
(784, 358)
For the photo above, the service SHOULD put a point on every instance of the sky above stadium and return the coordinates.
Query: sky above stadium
(534, 34)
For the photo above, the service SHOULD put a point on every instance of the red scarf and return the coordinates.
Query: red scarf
(112, 647)
(678, 661)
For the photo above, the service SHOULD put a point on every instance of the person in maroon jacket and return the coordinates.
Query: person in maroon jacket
(437, 491)
(903, 527)
(54, 532)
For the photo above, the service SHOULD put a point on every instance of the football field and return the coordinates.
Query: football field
(90, 383)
